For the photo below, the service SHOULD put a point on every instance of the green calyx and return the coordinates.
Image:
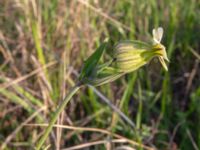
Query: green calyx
(131, 55)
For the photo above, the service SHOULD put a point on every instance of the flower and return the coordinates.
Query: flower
(128, 56)
(131, 55)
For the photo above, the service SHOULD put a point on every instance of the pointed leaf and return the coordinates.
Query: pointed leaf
(92, 61)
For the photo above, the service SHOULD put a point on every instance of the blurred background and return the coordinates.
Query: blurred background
(43, 45)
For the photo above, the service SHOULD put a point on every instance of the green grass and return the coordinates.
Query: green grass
(163, 105)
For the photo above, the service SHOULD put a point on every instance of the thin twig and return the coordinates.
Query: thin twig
(81, 146)
(96, 130)
(174, 133)
(6, 85)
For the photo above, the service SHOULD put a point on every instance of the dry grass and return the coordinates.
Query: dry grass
(42, 46)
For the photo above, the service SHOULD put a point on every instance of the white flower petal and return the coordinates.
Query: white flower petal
(157, 34)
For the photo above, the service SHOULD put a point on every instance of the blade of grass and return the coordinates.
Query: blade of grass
(124, 103)
(37, 39)
(29, 96)
(108, 102)
(16, 99)
(128, 92)
(21, 90)
(140, 107)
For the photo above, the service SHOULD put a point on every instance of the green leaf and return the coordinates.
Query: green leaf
(91, 62)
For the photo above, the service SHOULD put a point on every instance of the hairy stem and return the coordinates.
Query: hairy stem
(55, 116)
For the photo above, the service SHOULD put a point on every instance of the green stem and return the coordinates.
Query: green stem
(56, 114)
